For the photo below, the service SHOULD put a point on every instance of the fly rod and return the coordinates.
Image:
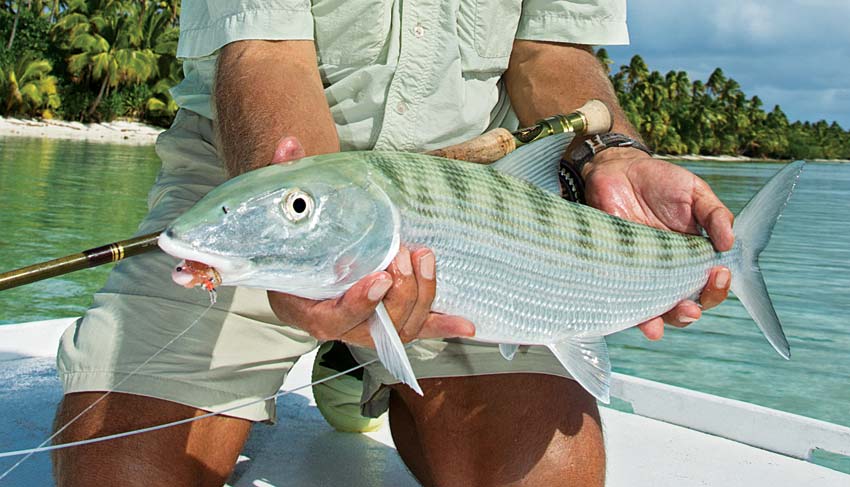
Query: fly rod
(592, 118)
(104, 254)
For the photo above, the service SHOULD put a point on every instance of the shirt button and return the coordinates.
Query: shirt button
(419, 31)
(401, 107)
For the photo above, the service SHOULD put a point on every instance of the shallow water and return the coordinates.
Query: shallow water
(59, 197)
(807, 270)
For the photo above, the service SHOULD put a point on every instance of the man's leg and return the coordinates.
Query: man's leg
(506, 429)
(199, 453)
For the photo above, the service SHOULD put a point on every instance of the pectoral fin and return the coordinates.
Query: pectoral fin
(390, 349)
(586, 359)
(508, 350)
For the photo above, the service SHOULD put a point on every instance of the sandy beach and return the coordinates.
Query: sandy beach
(118, 132)
(136, 133)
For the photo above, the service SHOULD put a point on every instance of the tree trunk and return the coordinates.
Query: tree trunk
(14, 26)
(99, 96)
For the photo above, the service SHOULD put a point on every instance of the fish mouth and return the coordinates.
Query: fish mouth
(226, 267)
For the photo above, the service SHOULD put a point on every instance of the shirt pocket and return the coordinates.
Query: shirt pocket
(351, 33)
(486, 30)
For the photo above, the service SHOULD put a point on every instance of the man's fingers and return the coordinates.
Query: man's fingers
(714, 217)
(653, 329)
(330, 319)
(717, 288)
(401, 298)
(446, 326)
(686, 312)
(683, 314)
(424, 269)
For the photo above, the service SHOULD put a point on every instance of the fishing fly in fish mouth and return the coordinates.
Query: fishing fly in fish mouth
(549, 272)
(189, 274)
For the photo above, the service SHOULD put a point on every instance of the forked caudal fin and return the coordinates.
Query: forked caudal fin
(752, 228)
(587, 358)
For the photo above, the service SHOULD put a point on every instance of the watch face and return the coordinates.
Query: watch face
(582, 154)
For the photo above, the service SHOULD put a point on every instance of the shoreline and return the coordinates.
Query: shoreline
(138, 133)
(117, 132)
(699, 158)
(695, 157)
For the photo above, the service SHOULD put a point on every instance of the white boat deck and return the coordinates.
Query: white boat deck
(303, 450)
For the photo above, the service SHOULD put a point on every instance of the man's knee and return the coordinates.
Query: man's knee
(510, 429)
(177, 455)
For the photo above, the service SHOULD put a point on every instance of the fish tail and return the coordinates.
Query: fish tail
(752, 228)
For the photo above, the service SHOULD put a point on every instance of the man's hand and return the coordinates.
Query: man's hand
(546, 78)
(627, 183)
(407, 288)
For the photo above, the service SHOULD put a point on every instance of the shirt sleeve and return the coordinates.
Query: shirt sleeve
(593, 22)
(207, 25)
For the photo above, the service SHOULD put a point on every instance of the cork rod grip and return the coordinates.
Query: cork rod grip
(592, 118)
(599, 120)
(484, 149)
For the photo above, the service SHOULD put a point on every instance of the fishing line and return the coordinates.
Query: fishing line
(107, 393)
(60, 446)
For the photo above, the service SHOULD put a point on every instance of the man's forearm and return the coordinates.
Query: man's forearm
(265, 90)
(544, 79)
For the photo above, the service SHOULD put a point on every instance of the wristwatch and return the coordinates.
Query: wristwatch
(572, 183)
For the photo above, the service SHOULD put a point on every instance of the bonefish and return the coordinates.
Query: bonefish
(525, 266)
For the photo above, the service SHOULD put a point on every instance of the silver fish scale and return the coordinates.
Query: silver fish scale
(528, 267)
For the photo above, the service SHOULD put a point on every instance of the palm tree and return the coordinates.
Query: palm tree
(604, 59)
(105, 36)
(716, 80)
(160, 34)
(636, 71)
(28, 88)
(14, 25)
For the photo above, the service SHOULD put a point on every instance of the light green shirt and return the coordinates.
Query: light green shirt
(403, 74)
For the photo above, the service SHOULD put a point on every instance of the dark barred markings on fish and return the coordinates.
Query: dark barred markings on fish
(524, 265)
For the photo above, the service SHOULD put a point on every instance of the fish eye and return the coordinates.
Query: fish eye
(297, 205)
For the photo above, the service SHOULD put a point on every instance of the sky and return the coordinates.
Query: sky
(788, 52)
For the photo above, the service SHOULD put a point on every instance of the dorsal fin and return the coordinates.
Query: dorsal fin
(538, 162)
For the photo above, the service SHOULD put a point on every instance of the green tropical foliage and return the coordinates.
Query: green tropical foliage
(714, 117)
(27, 87)
(109, 58)
(95, 60)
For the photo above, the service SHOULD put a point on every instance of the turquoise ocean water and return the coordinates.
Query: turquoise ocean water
(59, 197)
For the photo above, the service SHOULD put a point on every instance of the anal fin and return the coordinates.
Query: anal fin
(508, 350)
(586, 359)
(390, 349)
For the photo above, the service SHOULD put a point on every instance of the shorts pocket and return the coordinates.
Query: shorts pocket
(486, 30)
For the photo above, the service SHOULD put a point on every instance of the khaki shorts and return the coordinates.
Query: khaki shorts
(236, 351)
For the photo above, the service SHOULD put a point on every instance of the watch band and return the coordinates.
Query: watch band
(585, 152)
(572, 183)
